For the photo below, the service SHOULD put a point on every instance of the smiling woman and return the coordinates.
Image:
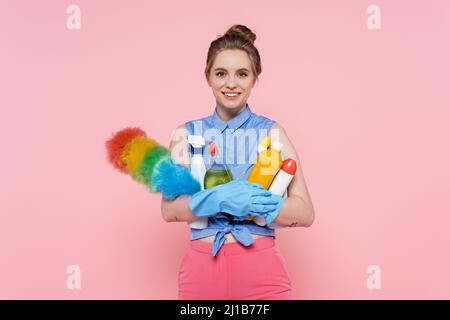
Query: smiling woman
(231, 81)
(232, 68)
(245, 262)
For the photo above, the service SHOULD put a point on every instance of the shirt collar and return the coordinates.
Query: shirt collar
(234, 123)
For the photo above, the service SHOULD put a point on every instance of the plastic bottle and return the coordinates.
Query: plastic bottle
(280, 183)
(218, 173)
(284, 177)
(198, 171)
(267, 165)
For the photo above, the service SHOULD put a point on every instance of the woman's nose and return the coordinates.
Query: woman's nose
(230, 84)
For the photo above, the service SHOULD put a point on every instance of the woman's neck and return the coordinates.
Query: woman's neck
(227, 114)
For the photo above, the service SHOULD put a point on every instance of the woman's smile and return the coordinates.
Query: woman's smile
(231, 95)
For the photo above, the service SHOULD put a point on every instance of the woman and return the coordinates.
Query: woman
(245, 263)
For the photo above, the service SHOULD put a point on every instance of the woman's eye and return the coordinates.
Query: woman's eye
(242, 74)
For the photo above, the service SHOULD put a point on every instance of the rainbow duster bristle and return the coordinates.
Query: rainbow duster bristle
(169, 172)
(149, 162)
(116, 145)
(131, 151)
(133, 154)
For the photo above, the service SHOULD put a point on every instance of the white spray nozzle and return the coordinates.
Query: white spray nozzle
(196, 141)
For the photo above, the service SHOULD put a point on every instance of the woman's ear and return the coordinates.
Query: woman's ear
(254, 81)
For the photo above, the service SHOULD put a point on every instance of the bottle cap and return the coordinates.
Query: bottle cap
(289, 166)
(212, 148)
(277, 145)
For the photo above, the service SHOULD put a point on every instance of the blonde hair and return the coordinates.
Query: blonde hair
(237, 37)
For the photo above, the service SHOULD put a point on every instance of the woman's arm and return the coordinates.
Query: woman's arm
(178, 209)
(297, 209)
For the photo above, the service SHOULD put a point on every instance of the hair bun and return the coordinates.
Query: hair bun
(242, 31)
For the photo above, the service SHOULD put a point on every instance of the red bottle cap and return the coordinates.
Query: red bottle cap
(212, 148)
(289, 166)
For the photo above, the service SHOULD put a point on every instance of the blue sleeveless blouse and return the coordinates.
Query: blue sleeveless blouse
(238, 150)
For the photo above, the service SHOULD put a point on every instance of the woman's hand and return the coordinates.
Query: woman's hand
(239, 198)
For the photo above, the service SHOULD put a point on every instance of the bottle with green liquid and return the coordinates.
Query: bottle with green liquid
(217, 174)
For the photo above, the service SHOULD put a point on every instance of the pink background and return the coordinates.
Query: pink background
(367, 110)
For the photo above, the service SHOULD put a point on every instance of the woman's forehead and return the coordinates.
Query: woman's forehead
(232, 60)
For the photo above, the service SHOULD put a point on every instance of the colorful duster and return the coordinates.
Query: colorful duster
(131, 152)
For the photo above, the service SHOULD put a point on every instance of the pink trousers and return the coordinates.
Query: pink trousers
(257, 272)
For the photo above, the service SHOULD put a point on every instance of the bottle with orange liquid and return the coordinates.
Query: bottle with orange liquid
(267, 164)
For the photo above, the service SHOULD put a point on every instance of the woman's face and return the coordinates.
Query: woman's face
(231, 74)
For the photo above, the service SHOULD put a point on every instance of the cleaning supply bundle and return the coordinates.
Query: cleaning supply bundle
(271, 172)
(132, 152)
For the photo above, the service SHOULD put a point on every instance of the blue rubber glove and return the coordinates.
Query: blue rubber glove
(239, 198)
(271, 215)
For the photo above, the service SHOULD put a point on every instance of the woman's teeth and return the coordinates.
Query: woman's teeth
(234, 94)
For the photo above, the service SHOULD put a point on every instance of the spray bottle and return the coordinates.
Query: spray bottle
(198, 170)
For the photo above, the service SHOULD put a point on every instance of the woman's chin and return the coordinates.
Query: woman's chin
(232, 106)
